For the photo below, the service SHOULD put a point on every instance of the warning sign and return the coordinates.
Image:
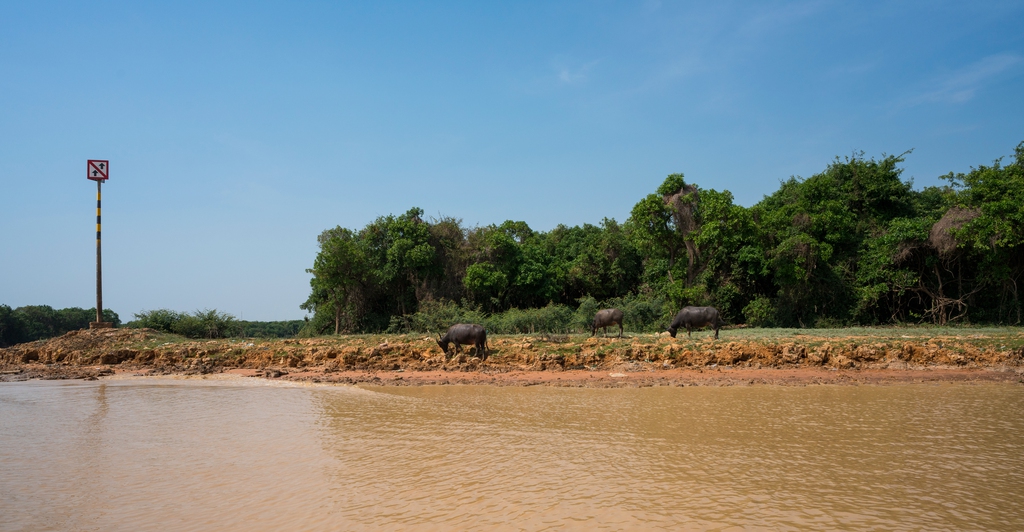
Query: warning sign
(98, 170)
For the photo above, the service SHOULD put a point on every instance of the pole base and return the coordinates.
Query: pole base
(101, 325)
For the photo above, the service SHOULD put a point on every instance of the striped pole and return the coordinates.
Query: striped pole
(99, 259)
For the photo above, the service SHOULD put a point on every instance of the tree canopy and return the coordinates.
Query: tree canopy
(854, 244)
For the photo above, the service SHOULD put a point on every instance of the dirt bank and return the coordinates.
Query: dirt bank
(889, 356)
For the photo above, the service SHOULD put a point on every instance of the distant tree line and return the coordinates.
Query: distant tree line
(852, 245)
(36, 322)
(211, 323)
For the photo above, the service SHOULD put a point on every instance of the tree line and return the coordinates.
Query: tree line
(39, 322)
(36, 322)
(852, 245)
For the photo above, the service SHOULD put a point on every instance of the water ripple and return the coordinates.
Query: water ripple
(196, 456)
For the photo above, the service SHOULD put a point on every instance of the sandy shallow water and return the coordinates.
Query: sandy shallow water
(236, 453)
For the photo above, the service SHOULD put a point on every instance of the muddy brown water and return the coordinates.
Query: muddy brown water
(251, 455)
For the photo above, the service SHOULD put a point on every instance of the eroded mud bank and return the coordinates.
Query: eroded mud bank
(525, 360)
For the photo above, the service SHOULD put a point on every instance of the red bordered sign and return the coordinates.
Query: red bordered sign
(98, 170)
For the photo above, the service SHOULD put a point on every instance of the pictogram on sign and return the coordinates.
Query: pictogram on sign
(98, 170)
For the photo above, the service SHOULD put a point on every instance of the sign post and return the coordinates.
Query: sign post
(98, 171)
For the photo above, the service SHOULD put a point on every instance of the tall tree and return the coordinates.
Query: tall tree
(338, 272)
(683, 202)
(401, 257)
(993, 231)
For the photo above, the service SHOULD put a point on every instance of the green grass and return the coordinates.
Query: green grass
(895, 333)
(998, 337)
(158, 339)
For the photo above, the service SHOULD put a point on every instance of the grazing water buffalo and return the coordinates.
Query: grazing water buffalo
(606, 318)
(466, 334)
(696, 317)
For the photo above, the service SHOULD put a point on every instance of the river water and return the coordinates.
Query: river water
(251, 455)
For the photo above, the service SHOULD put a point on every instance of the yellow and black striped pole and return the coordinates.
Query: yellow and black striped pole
(98, 171)
(99, 258)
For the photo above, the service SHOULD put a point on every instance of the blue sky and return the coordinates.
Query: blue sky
(237, 132)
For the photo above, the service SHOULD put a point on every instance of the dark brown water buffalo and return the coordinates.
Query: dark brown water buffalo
(606, 318)
(694, 318)
(466, 334)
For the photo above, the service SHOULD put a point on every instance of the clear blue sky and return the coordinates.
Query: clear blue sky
(237, 132)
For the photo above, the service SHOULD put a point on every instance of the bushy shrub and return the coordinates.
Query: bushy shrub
(201, 324)
(437, 316)
(320, 323)
(760, 312)
(583, 318)
(160, 319)
(643, 313)
(550, 319)
(205, 324)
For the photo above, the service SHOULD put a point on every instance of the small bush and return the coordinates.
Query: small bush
(759, 312)
(826, 322)
(160, 319)
(584, 315)
(319, 324)
(643, 313)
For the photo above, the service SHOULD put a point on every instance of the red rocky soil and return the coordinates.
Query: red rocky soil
(643, 360)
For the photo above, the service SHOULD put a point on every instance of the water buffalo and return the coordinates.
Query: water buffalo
(606, 318)
(696, 317)
(466, 334)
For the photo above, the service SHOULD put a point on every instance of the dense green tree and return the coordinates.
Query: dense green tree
(815, 228)
(12, 328)
(733, 268)
(652, 229)
(338, 273)
(486, 283)
(892, 270)
(451, 257)
(991, 236)
(496, 261)
(401, 258)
